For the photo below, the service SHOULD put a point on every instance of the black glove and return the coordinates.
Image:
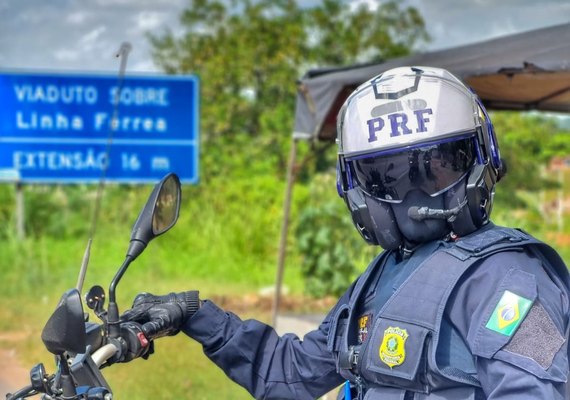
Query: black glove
(162, 315)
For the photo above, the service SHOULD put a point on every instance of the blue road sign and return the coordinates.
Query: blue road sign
(57, 128)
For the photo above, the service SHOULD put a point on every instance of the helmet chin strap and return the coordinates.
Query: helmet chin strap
(407, 248)
(423, 213)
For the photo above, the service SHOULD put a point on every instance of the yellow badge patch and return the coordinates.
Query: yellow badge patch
(363, 327)
(392, 350)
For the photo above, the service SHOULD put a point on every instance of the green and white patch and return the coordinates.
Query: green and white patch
(509, 313)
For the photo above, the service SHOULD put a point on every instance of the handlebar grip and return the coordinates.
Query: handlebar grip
(137, 343)
(104, 353)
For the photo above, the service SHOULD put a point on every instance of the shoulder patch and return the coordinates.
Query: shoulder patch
(364, 327)
(537, 338)
(509, 313)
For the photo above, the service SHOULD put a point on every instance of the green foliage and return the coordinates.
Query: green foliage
(527, 142)
(228, 228)
(343, 36)
(333, 252)
(241, 57)
(178, 370)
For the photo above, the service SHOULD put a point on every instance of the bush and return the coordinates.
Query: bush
(333, 252)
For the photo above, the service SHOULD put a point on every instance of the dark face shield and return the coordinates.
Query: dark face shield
(432, 168)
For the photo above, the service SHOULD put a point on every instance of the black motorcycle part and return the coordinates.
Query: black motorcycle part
(94, 334)
(86, 373)
(137, 344)
(38, 377)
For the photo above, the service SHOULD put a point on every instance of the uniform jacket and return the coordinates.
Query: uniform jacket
(501, 333)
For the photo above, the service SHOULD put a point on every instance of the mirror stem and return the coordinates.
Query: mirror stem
(136, 247)
(113, 311)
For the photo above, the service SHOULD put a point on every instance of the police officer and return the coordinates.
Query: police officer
(453, 308)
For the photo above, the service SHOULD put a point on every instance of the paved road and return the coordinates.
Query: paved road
(298, 324)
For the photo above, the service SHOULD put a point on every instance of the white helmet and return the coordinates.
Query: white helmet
(418, 157)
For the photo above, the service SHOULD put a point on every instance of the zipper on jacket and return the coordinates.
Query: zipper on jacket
(359, 388)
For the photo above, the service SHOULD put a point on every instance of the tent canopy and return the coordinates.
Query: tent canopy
(526, 71)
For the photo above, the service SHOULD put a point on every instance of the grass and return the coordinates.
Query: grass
(217, 247)
(225, 243)
(178, 370)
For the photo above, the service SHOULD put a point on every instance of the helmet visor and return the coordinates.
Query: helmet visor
(431, 168)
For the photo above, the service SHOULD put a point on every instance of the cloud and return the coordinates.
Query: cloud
(76, 18)
(91, 38)
(453, 23)
(80, 35)
(369, 4)
(66, 55)
(146, 65)
(138, 4)
(150, 20)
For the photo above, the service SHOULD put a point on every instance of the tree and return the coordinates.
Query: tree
(347, 36)
(249, 54)
(527, 142)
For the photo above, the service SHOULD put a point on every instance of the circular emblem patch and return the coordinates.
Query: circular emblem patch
(508, 314)
(392, 350)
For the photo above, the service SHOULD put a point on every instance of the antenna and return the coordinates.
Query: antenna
(122, 53)
(83, 269)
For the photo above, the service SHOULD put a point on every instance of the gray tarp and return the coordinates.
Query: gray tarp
(525, 71)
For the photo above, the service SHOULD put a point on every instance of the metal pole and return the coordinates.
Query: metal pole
(123, 52)
(560, 200)
(20, 212)
(284, 230)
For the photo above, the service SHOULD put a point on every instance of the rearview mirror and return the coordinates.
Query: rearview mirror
(158, 216)
(166, 206)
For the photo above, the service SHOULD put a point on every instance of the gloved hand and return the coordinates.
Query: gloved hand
(162, 315)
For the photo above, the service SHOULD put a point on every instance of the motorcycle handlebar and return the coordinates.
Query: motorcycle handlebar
(22, 393)
(131, 344)
(104, 353)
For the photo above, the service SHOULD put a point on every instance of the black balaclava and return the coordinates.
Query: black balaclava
(414, 231)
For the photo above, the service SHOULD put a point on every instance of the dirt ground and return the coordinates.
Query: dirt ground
(13, 375)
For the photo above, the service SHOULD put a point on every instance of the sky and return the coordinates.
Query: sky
(84, 35)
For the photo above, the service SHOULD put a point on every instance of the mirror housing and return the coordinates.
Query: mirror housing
(158, 215)
(65, 329)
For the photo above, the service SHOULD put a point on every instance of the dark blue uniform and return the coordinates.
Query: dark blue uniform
(501, 334)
